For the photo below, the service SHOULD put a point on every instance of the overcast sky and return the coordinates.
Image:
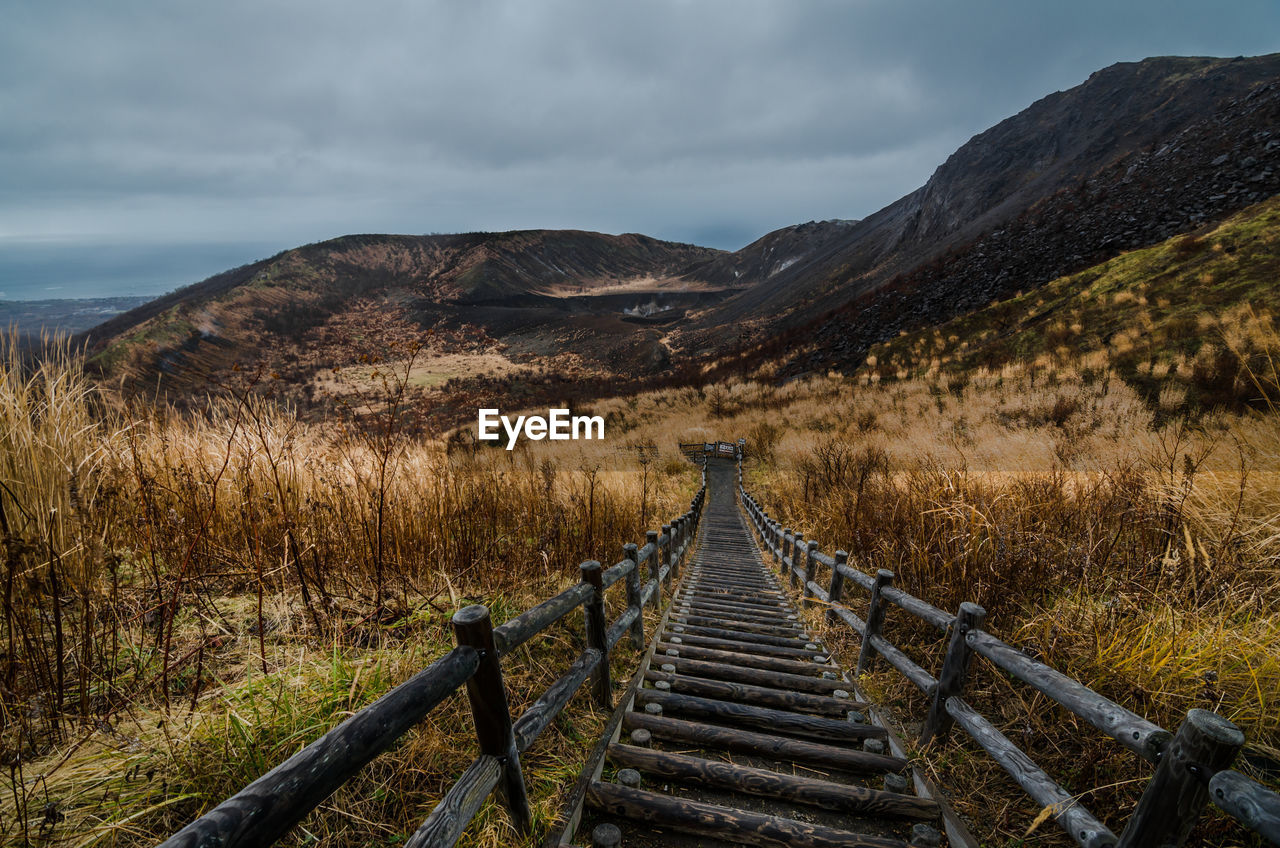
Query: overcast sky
(229, 129)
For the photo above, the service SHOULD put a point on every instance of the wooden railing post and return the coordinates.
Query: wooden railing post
(597, 633)
(783, 543)
(655, 569)
(797, 548)
(955, 667)
(809, 562)
(633, 597)
(836, 589)
(665, 557)
(875, 619)
(677, 546)
(488, 696)
(1205, 744)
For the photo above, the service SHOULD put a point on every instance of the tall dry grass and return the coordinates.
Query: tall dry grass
(1109, 531)
(190, 596)
(1131, 548)
(239, 557)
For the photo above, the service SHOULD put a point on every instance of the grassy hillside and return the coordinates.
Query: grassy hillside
(310, 309)
(1191, 315)
(188, 598)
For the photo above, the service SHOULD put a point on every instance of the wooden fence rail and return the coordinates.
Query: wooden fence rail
(269, 807)
(1191, 767)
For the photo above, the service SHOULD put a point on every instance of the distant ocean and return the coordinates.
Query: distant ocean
(55, 270)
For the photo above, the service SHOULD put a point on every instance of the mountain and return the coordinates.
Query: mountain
(1136, 153)
(1139, 152)
(795, 251)
(1193, 313)
(329, 304)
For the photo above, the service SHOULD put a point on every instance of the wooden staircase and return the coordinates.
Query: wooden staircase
(745, 731)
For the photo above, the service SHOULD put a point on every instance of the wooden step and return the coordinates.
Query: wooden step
(791, 666)
(737, 827)
(759, 677)
(762, 744)
(778, 721)
(744, 647)
(728, 690)
(771, 784)
(766, 629)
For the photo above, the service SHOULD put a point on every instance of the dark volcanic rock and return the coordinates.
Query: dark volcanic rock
(1141, 199)
(1122, 160)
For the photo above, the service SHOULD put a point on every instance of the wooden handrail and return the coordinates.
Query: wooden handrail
(1170, 804)
(1073, 817)
(516, 631)
(269, 807)
(1247, 801)
(1131, 730)
(266, 809)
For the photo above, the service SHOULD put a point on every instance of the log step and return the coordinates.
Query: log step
(780, 721)
(760, 677)
(737, 827)
(697, 652)
(764, 745)
(765, 696)
(771, 784)
(745, 647)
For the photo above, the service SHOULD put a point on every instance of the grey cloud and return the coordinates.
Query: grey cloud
(699, 121)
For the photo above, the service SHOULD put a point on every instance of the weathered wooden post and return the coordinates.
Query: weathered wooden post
(783, 544)
(1205, 744)
(677, 546)
(797, 550)
(633, 596)
(836, 590)
(597, 633)
(488, 696)
(665, 557)
(655, 570)
(809, 569)
(955, 668)
(875, 619)
(606, 836)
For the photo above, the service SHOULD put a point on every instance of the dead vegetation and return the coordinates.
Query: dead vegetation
(189, 597)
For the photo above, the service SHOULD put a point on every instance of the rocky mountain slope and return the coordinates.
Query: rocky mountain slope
(1194, 313)
(1136, 153)
(310, 307)
(1210, 169)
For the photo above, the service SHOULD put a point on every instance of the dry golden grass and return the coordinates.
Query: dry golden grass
(1128, 545)
(1122, 541)
(190, 598)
